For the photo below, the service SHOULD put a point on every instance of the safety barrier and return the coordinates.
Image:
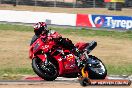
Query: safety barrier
(65, 19)
(104, 21)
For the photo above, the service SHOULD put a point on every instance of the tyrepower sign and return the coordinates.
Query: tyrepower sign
(114, 0)
(104, 21)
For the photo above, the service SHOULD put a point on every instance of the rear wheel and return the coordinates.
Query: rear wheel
(96, 68)
(48, 72)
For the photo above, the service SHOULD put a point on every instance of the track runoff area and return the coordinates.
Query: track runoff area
(86, 81)
(108, 81)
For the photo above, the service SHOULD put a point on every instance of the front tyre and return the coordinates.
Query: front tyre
(84, 82)
(47, 72)
(96, 68)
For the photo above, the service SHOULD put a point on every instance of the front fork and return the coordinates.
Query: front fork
(84, 79)
(84, 73)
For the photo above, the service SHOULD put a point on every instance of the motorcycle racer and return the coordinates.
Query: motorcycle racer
(40, 29)
(53, 56)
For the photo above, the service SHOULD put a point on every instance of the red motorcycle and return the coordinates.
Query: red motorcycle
(50, 60)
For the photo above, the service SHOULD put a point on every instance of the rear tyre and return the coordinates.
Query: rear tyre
(96, 71)
(47, 72)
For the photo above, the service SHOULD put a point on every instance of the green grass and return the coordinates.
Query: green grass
(119, 69)
(13, 27)
(74, 31)
(111, 69)
(89, 32)
(16, 71)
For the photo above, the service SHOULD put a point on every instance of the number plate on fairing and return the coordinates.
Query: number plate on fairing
(69, 61)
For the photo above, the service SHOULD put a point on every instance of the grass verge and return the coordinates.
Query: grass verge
(15, 73)
(119, 69)
(74, 31)
(18, 73)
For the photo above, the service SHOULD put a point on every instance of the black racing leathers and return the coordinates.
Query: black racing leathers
(34, 38)
(66, 43)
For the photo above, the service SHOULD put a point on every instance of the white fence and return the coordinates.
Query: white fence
(65, 19)
(34, 17)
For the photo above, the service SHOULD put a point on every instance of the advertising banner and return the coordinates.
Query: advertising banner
(104, 21)
(114, 0)
(65, 19)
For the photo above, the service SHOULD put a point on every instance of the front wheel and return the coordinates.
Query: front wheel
(96, 68)
(84, 82)
(47, 72)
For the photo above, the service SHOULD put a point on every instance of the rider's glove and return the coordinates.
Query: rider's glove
(76, 51)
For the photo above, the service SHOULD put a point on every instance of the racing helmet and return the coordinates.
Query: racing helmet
(40, 28)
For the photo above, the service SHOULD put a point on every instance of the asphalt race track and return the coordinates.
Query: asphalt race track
(60, 82)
